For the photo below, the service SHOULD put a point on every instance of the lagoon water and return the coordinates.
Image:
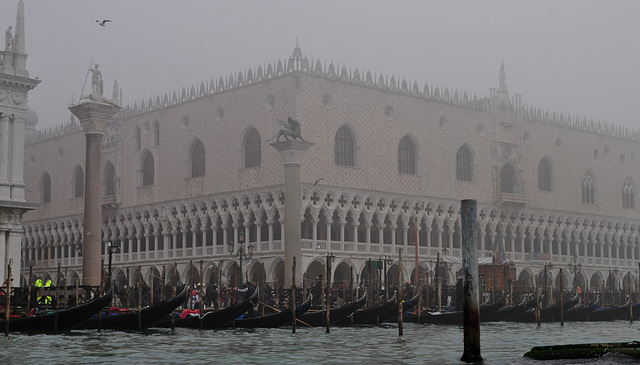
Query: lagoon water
(502, 343)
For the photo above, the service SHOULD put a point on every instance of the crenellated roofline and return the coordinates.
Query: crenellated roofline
(299, 63)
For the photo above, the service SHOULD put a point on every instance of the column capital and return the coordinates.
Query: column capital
(292, 151)
(94, 117)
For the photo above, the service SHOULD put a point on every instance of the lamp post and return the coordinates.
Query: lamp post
(113, 248)
(240, 252)
(508, 268)
(574, 268)
(386, 261)
(547, 266)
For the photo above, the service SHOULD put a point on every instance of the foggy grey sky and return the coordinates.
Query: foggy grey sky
(577, 57)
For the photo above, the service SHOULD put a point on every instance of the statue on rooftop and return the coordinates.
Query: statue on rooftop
(290, 128)
(8, 40)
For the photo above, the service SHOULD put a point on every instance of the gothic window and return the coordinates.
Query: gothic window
(252, 152)
(407, 156)
(156, 133)
(464, 163)
(507, 179)
(197, 157)
(136, 138)
(628, 196)
(544, 175)
(109, 182)
(345, 147)
(147, 169)
(588, 190)
(78, 182)
(45, 188)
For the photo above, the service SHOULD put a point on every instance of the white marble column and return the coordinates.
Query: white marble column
(291, 153)
(94, 117)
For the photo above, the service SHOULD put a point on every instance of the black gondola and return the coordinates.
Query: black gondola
(274, 320)
(457, 317)
(60, 320)
(611, 313)
(374, 315)
(135, 320)
(509, 311)
(317, 318)
(547, 314)
(213, 319)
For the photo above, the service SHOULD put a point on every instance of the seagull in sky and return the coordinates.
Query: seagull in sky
(102, 23)
(317, 181)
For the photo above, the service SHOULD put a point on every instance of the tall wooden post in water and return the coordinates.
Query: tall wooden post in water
(470, 291)
(293, 296)
(400, 297)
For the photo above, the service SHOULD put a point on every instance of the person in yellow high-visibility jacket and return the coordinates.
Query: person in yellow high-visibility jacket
(38, 286)
(47, 299)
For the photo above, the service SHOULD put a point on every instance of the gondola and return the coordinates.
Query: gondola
(509, 311)
(372, 316)
(407, 305)
(547, 314)
(212, 319)
(317, 318)
(611, 313)
(60, 320)
(580, 313)
(457, 317)
(135, 320)
(274, 320)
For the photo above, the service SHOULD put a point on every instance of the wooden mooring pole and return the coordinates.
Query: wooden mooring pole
(400, 297)
(630, 298)
(29, 288)
(471, 299)
(7, 308)
(293, 296)
(561, 299)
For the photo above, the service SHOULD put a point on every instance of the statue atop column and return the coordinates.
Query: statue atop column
(290, 128)
(96, 94)
(96, 80)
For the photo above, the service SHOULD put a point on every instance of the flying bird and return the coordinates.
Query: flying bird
(102, 23)
(317, 181)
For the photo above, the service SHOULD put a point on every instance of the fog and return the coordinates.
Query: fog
(576, 57)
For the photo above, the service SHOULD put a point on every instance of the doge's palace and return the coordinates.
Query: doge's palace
(187, 172)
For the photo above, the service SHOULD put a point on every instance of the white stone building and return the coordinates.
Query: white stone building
(188, 171)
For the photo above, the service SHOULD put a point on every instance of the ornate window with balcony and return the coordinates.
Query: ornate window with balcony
(78, 182)
(544, 175)
(197, 158)
(147, 170)
(344, 149)
(45, 188)
(407, 156)
(464, 164)
(588, 189)
(628, 196)
(252, 149)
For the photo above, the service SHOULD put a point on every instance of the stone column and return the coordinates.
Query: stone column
(94, 118)
(291, 153)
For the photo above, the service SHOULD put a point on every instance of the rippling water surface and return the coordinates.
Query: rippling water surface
(502, 343)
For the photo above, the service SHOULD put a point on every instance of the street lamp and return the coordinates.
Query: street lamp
(386, 261)
(574, 267)
(241, 253)
(112, 248)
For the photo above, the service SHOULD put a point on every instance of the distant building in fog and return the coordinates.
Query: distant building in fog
(188, 171)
